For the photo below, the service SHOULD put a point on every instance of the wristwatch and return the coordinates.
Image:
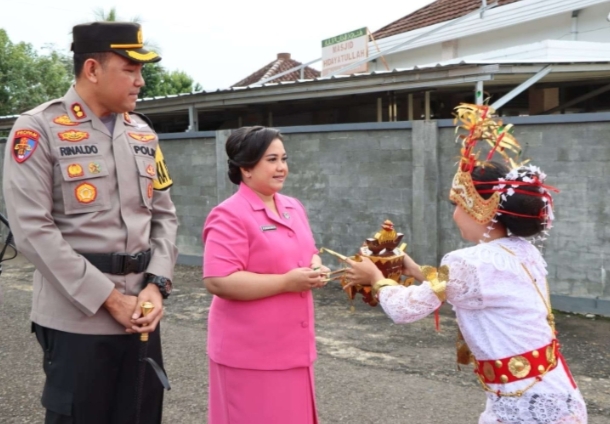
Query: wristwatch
(164, 284)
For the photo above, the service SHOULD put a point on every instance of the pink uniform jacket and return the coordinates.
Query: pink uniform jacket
(273, 333)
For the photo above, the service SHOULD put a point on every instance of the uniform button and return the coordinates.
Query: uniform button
(290, 234)
(300, 263)
(304, 324)
(302, 294)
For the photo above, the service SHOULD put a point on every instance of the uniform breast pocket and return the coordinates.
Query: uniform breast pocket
(85, 185)
(147, 169)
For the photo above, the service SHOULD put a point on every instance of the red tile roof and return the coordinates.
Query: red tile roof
(281, 64)
(434, 13)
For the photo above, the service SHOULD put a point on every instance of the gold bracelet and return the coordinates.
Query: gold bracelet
(381, 284)
(437, 279)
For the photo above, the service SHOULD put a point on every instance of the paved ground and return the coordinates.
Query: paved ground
(369, 370)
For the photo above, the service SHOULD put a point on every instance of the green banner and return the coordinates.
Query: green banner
(344, 37)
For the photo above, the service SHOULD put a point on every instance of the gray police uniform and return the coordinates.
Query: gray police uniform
(72, 188)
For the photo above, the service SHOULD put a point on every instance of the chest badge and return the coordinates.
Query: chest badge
(65, 120)
(145, 138)
(95, 168)
(24, 144)
(78, 111)
(286, 215)
(150, 190)
(75, 170)
(73, 136)
(86, 193)
(268, 228)
(150, 170)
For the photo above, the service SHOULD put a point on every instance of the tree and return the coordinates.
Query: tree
(27, 78)
(159, 81)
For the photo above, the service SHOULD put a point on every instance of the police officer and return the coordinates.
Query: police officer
(87, 197)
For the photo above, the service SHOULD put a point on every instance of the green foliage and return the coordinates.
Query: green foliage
(27, 78)
(160, 82)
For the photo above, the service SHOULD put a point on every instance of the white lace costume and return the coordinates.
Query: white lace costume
(500, 315)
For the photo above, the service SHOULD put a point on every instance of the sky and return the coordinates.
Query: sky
(216, 42)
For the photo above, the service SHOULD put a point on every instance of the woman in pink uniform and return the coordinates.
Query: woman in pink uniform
(260, 262)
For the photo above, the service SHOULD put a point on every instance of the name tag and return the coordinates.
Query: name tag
(268, 228)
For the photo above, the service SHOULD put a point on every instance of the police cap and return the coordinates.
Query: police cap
(122, 38)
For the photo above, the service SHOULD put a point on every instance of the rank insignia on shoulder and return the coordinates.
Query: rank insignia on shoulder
(126, 117)
(78, 111)
(163, 180)
(65, 120)
(73, 136)
(145, 138)
(85, 193)
(75, 170)
(24, 144)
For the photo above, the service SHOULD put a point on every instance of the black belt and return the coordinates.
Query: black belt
(119, 263)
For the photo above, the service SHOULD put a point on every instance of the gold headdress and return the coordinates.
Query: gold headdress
(482, 126)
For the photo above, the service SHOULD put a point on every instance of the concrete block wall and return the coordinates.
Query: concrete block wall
(351, 177)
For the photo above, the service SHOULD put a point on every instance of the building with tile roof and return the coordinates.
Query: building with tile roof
(283, 63)
(434, 13)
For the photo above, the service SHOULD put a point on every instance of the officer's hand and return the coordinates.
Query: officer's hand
(121, 306)
(148, 323)
(303, 279)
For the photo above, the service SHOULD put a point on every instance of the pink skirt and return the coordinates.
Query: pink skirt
(243, 396)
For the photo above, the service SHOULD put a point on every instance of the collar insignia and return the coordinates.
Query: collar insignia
(78, 111)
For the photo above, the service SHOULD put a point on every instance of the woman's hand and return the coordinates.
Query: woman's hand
(411, 269)
(364, 273)
(303, 279)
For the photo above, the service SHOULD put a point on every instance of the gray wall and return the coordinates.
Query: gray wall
(351, 177)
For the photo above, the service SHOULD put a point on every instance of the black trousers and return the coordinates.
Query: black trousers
(93, 379)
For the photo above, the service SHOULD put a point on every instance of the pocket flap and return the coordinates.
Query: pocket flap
(79, 169)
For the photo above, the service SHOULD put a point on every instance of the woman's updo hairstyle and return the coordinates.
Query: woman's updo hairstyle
(246, 146)
(530, 206)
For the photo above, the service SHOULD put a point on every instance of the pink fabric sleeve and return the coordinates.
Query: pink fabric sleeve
(225, 244)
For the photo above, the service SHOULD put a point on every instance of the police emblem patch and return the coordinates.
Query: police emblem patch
(78, 111)
(73, 136)
(145, 138)
(95, 168)
(24, 144)
(150, 170)
(85, 193)
(75, 170)
(65, 120)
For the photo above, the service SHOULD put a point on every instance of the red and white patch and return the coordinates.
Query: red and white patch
(24, 144)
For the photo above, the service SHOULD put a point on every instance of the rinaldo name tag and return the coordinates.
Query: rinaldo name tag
(268, 227)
